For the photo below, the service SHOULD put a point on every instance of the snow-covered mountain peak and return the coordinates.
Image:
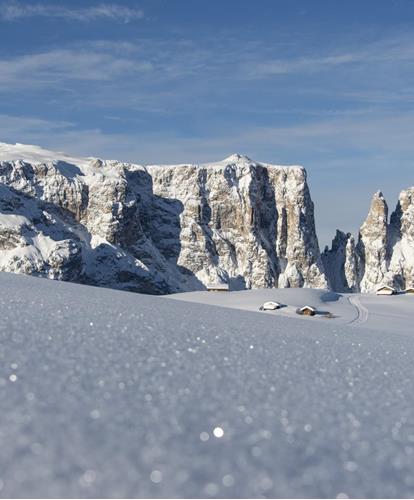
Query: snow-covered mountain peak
(237, 158)
(35, 154)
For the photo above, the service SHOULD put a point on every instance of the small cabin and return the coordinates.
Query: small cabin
(386, 290)
(306, 311)
(218, 287)
(270, 306)
(409, 290)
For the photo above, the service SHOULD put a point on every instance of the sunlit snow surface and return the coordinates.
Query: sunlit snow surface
(106, 393)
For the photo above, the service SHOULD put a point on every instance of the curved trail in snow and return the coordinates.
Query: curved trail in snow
(362, 311)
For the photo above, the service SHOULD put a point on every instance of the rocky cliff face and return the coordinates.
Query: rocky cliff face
(156, 229)
(384, 253)
(372, 247)
(401, 241)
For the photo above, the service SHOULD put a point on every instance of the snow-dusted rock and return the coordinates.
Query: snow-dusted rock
(244, 222)
(384, 253)
(401, 267)
(35, 239)
(158, 228)
(372, 246)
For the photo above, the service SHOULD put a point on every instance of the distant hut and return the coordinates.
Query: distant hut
(409, 290)
(270, 306)
(218, 287)
(386, 290)
(306, 311)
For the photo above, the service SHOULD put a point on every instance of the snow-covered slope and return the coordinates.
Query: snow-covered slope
(381, 313)
(112, 394)
(158, 228)
(36, 154)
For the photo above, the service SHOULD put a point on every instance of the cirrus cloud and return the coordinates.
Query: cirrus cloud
(13, 11)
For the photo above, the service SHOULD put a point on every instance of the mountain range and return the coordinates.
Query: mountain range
(169, 228)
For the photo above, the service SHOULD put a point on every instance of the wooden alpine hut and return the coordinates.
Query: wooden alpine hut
(306, 311)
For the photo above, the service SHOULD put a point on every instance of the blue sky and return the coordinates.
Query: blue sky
(325, 84)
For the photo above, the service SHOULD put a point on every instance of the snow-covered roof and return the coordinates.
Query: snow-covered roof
(310, 308)
(385, 287)
(271, 303)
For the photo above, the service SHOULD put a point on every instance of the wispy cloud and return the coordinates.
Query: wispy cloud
(60, 65)
(13, 11)
(12, 126)
(389, 50)
(143, 71)
(314, 64)
(219, 61)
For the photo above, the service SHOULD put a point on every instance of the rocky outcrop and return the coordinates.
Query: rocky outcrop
(157, 229)
(384, 253)
(372, 247)
(401, 236)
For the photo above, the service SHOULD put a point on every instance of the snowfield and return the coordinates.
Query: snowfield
(106, 393)
(388, 313)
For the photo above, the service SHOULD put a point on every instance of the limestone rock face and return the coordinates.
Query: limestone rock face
(384, 253)
(157, 229)
(401, 267)
(246, 223)
(372, 247)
